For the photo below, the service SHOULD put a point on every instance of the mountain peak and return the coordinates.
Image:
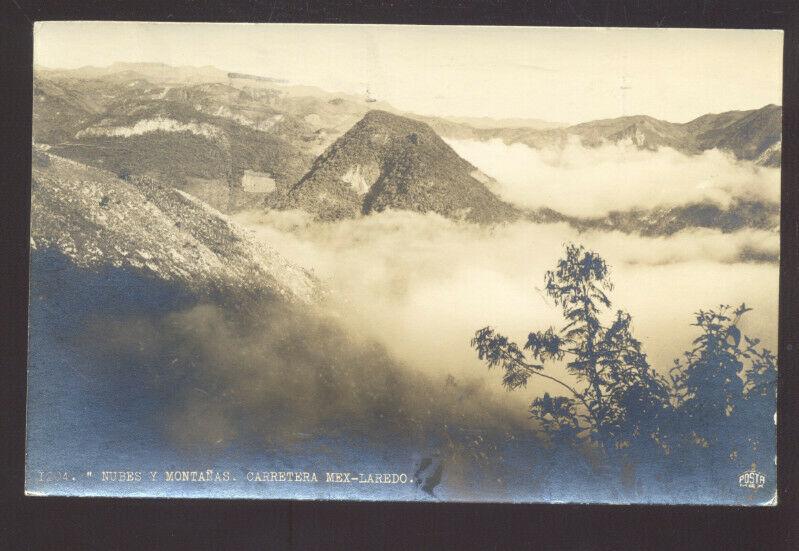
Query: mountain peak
(387, 161)
(381, 115)
(378, 120)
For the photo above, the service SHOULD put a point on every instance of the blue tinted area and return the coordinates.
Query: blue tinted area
(82, 420)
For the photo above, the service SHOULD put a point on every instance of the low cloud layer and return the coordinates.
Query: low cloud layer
(421, 284)
(587, 182)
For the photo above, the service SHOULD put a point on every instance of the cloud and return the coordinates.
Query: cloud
(421, 284)
(408, 291)
(585, 181)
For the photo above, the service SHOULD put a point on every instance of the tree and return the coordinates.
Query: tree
(726, 392)
(714, 413)
(616, 401)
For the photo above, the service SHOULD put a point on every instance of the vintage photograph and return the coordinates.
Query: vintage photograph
(414, 263)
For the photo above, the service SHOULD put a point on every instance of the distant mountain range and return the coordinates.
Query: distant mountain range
(247, 141)
(754, 135)
(660, 221)
(156, 73)
(319, 117)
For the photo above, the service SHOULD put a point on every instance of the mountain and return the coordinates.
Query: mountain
(488, 122)
(387, 161)
(97, 220)
(483, 128)
(244, 141)
(313, 118)
(180, 136)
(257, 78)
(749, 135)
(226, 139)
(316, 116)
(645, 132)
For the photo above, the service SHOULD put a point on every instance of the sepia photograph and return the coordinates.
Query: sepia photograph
(404, 263)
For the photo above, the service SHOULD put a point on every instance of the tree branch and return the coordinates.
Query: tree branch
(532, 371)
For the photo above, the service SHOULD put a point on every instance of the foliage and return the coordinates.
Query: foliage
(615, 402)
(726, 390)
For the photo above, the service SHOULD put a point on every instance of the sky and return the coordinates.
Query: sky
(565, 75)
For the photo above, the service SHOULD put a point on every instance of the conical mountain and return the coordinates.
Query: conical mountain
(387, 161)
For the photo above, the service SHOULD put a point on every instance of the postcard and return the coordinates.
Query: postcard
(404, 263)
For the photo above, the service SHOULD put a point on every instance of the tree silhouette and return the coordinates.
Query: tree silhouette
(616, 402)
(714, 413)
(725, 388)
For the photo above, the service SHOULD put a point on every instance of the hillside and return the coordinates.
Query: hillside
(750, 135)
(62, 108)
(390, 162)
(171, 139)
(97, 220)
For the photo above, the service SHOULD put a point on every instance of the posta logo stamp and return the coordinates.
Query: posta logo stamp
(752, 479)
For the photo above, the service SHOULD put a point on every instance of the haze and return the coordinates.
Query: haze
(564, 75)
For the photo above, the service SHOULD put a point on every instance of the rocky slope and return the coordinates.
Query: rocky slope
(98, 221)
(390, 162)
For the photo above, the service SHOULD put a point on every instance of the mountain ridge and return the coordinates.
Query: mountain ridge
(238, 144)
(747, 134)
(330, 114)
